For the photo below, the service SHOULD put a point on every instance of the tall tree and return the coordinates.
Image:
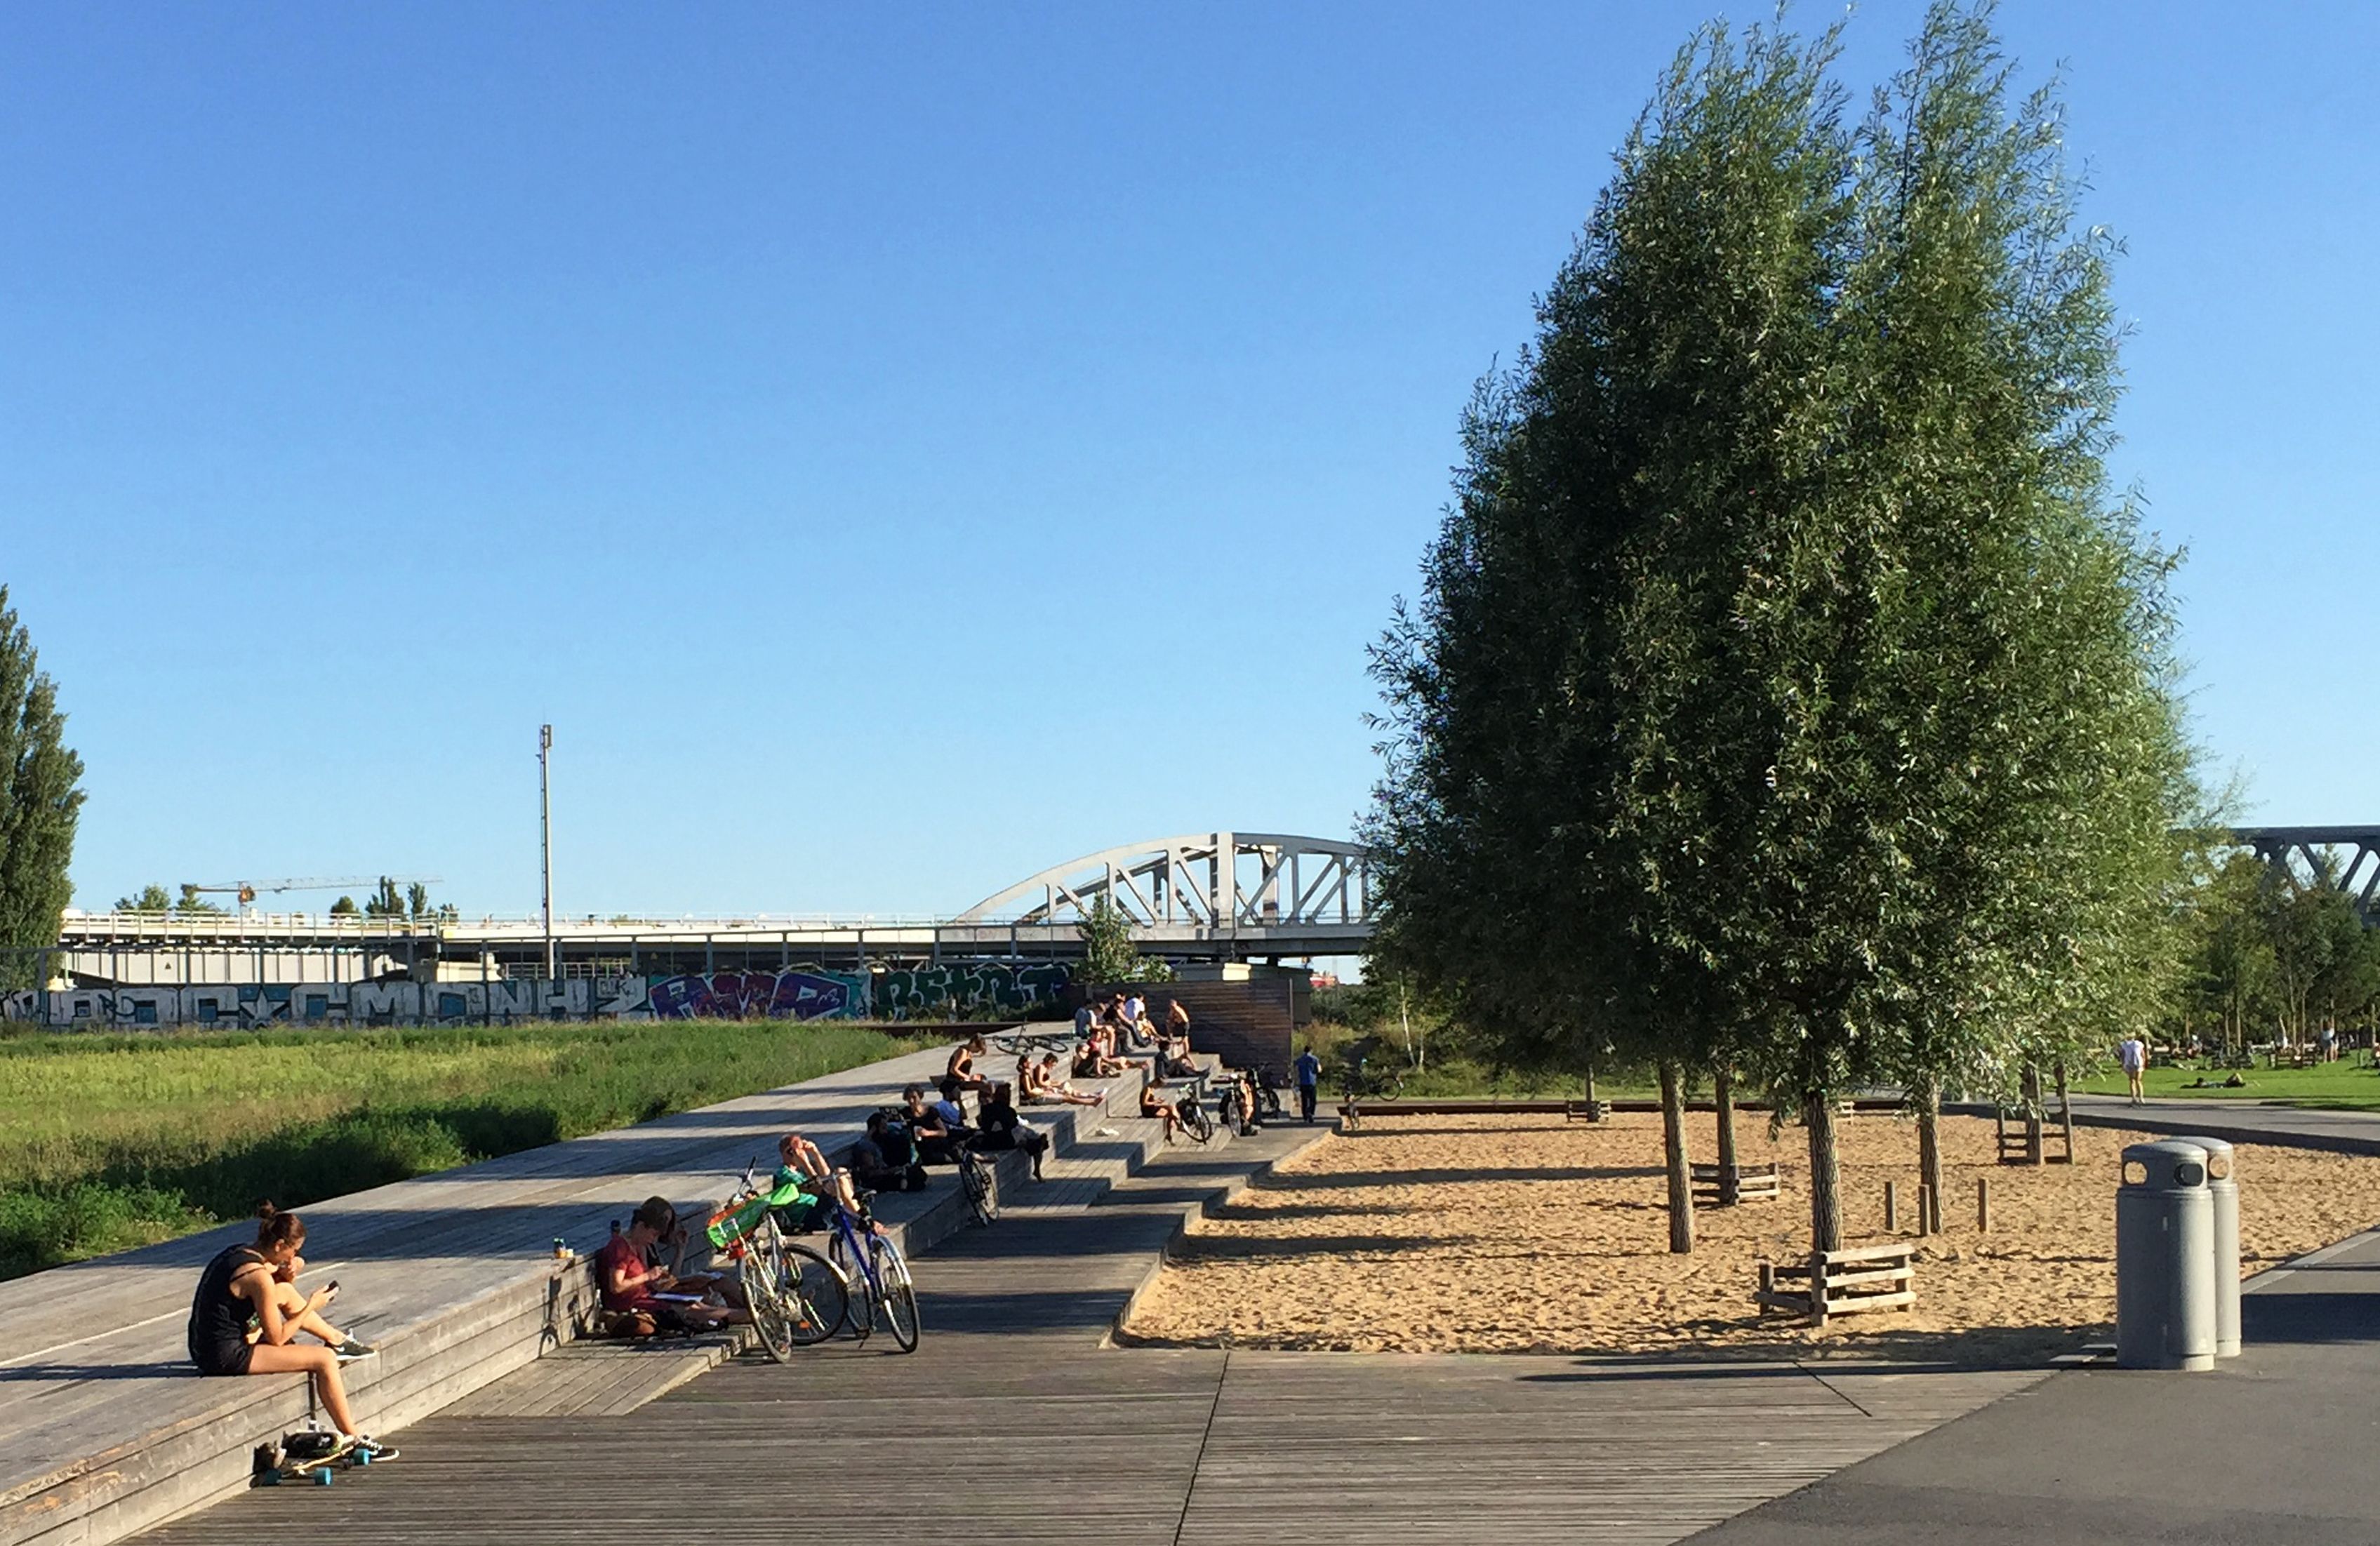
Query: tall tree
(1785, 680)
(41, 798)
(1542, 837)
(2002, 669)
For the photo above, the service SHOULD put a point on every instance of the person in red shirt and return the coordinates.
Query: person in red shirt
(633, 1286)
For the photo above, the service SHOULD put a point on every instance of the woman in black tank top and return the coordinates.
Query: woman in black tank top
(247, 1313)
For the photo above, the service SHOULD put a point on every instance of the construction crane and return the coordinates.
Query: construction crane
(248, 891)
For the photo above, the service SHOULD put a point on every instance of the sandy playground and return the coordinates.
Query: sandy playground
(1530, 1233)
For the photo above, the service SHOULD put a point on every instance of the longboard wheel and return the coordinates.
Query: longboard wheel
(363, 1458)
(323, 1477)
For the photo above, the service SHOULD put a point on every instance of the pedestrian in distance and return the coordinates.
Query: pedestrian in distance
(2134, 1056)
(1309, 1082)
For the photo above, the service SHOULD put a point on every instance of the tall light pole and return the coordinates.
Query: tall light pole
(545, 832)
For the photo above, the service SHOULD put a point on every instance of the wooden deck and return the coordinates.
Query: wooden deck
(1014, 1422)
(105, 1430)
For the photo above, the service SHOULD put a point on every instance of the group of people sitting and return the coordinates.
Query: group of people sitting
(248, 1315)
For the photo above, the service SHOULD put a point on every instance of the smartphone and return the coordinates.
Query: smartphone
(332, 1287)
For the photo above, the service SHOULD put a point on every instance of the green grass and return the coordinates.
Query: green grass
(2342, 1086)
(1448, 1078)
(113, 1142)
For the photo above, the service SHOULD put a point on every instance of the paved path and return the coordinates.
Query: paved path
(1014, 1422)
(2276, 1447)
(2239, 1121)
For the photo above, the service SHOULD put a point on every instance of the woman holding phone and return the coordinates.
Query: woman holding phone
(247, 1313)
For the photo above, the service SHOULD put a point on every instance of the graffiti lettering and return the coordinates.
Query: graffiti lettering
(803, 993)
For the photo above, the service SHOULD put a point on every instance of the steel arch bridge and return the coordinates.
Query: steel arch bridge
(1236, 894)
(2309, 852)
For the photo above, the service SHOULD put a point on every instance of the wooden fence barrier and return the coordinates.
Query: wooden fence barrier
(1842, 1282)
(1754, 1183)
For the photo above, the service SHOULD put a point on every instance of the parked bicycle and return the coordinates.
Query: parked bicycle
(796, 1296)
(980, 1184)
(876, 1278)
(1358, 1084)
(1195, 1120)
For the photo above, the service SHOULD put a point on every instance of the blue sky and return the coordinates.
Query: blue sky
(901, 448)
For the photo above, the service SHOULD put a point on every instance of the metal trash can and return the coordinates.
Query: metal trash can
(2164, 1258)
(2223, 1186)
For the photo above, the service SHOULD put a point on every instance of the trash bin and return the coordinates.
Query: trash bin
(2223, 1186)
(2164, 1258)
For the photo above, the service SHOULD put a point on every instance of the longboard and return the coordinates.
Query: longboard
(273, 1464)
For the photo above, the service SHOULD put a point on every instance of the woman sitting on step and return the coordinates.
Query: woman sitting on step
(248, 1314)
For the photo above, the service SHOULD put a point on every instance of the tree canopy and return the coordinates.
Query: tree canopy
(1785, 684)
(40, 799)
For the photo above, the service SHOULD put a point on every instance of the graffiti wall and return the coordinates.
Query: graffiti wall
(805, 992)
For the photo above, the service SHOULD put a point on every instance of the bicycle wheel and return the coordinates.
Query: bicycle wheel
(983, 1188)
(815, 1296)
(1195, 1122)
(859, 1300)
(770, 1323)
(900, 1294)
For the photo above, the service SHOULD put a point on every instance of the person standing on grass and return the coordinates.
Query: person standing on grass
(248, 1314)
(2134, 1056)
(1309, 1081)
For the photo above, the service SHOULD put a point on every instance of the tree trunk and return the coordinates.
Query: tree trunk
(2030, 1091)
(1928, 1096)
(1723, 1097)
(1826, 1177)
(1673, 1148)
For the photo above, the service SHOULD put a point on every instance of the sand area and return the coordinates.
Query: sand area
(1530, 1233)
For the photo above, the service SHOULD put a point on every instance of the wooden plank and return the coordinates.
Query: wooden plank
(1870, 1254)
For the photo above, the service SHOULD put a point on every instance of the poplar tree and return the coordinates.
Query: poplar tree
(1787, 686)
(1541, 841)
(39, 799)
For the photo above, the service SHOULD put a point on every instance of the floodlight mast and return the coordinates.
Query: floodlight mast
(546, 833)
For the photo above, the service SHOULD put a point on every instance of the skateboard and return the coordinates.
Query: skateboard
(313, 1456)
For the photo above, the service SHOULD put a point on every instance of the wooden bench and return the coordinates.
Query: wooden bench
(1848, 1282)
(1754, 1183)
(1586, 1111)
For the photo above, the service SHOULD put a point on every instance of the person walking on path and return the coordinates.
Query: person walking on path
(2135, 1056)
(1310, 1078)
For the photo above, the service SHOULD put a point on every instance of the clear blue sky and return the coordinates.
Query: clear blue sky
(899, 448)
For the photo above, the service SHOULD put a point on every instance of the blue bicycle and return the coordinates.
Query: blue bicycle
(876, 1275)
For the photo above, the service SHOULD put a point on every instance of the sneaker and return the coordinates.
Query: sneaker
(368, 1449)
(351, 1349)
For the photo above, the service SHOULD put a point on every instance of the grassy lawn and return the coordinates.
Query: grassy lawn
(2339, 1086)
(113, 1142)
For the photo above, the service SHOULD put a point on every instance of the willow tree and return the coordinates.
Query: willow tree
(1542, 841)
(41, 798)
(2008, 676)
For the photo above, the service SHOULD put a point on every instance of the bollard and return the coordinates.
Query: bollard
(1924, 1209)
(2164, 1258)
(1983, 1205)
(2223, 1186)
(1892, 1207)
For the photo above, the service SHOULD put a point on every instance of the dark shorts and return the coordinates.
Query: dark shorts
(803, 1218)
(223, 1357)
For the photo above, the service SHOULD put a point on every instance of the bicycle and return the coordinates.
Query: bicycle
(1269, 1106)
(1017, 1043)
(869, 1262)
(1357, 1085)
(981, 1186)
(1195, 1120)
(797, 1296)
